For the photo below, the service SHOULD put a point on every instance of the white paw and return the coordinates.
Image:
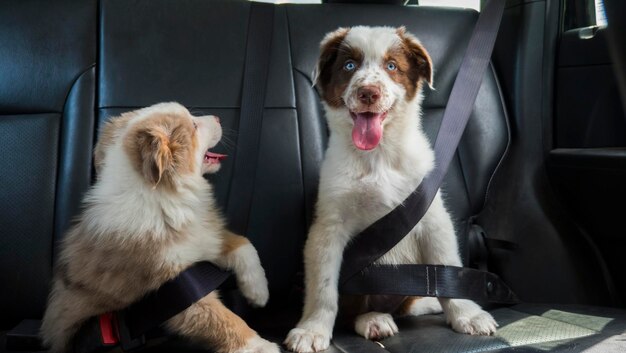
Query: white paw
(375, 326)
(250, 275)
(254, 288)
(258, 345)
(304, 341)
(476, 323)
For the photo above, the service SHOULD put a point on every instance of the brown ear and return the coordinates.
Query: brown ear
(328, 53)
(156, 156)
(418, 54)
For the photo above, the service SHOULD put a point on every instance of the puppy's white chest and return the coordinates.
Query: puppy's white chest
(371, 198)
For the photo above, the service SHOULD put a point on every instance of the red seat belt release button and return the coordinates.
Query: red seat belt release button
(107, 329)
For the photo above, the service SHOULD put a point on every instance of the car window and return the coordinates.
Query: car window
(583, 13)
(291, 1)
(473, 4)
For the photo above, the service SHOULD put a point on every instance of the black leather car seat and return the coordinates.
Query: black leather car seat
(192, 51)
(47, 90)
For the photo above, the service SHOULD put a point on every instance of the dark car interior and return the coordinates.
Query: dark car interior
(536, 189)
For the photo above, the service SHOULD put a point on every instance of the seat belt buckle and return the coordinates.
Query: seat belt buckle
(108, 332)
(126, 341)
(105, 332)
(97, 335)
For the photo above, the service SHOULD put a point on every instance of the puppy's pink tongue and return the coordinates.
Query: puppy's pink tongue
(367, 130)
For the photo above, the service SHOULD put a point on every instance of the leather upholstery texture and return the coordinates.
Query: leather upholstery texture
(71, 65)
(47, 88)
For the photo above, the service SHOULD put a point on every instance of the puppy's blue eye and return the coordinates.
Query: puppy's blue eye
(391, 66)
(349, 66)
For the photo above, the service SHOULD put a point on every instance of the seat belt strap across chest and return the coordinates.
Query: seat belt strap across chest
(358, 275)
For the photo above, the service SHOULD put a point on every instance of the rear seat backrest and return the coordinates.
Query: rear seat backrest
(193, 52)
(47, 83)
(445, 33)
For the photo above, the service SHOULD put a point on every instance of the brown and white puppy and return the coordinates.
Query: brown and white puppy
(370, 80)
(150, 215)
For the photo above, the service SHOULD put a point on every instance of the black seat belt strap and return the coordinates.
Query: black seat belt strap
(172, 298)
(369, 245)
(256, 70)
(431, 281)
(130, 325)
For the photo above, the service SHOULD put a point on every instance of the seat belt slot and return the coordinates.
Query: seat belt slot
(478, 252)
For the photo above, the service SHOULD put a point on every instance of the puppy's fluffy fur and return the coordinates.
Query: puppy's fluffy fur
(149, 216)
(370, 80)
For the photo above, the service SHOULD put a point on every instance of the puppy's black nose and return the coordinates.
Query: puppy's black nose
(368, 94)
